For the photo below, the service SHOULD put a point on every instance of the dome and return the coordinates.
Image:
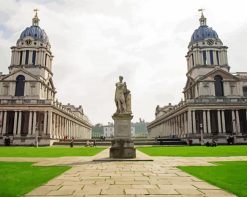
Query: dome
(36, 33)
(202, 33)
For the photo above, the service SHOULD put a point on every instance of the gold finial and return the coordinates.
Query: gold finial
(201, 10)
(35, 18)
(36, 12)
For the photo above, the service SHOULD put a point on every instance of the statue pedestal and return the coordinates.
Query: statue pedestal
(122, 145)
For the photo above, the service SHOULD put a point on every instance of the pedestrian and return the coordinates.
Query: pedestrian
(72, 142)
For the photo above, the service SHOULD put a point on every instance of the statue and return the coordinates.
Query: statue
(122, 97)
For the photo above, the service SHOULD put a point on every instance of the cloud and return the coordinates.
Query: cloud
(95, 41)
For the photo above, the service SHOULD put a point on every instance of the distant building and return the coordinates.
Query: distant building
(140, 128)
(97, 131)
(109, 130)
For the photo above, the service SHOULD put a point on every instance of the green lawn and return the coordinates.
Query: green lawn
(195, 151)
(18, 178)
(48, 151)
(231, 176)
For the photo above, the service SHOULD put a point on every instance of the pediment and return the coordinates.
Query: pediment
(190, 81)
(26, 74)
(218, 71)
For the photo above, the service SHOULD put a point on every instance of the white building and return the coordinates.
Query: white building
(109, 130)
(215, 100)
(27, 96)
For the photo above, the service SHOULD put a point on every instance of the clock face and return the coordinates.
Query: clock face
(210, 42)
(28, 42)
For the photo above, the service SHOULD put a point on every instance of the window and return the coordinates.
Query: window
(217, 57)
(20, 58)
(218, 84)
(192, 57)
(20, 85)
(245, 91)
(34, 57)
(45, 59)
(204, 57)
(27, 56)
(211, 57)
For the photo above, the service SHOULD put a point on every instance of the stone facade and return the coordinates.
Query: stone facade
(28, 108)
(215, 100)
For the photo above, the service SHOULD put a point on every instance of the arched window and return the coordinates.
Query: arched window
(211, 57)
(204, 56)
(34, 57)
(245, 91)
(27, 57)
(218, 84)
(21, 58)
(20, 85)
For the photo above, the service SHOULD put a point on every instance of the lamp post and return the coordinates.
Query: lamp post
(201, 127)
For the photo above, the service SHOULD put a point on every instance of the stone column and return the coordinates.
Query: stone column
(30, 57)
(23, 57)
(208, 58)
(49, 126)
(15, 124)
(189, 122)
(30, 123)
(19, 123)
(45, 123)
(60, 128)
(237, 122)
(219, 122)
(209, 121)
(204, 122)
(223, 121)
(56, 127)
(233, 122)
(215, 58)
(1, 121)
(186, 123)
(194, 121)
(34, 123)
(4, 122)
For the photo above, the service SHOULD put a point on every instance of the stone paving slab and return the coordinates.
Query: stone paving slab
(129, 178)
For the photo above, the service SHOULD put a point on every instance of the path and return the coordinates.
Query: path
(133, 178)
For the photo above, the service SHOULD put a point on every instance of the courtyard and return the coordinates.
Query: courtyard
(86, 175)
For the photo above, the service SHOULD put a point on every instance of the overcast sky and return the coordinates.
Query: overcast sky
(95, 41)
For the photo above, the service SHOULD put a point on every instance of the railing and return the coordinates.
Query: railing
(217, 100)
(25, 101)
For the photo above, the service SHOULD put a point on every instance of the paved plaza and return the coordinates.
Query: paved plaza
(159, 177)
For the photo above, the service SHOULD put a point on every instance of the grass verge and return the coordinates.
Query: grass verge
(19, 178)
(230, 175)
(195, 151)
(48, 151)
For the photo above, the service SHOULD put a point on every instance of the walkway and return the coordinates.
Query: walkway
(130, 178)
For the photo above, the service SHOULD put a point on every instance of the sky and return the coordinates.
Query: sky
(145, 41)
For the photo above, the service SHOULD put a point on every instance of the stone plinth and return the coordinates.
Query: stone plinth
(122, 145)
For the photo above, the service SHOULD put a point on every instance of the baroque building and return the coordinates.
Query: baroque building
(28, 108)
(215, 100)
